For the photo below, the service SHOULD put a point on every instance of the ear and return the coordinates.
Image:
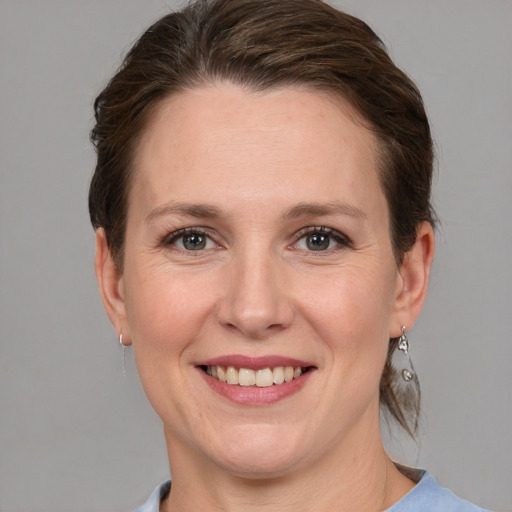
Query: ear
(111, 285)
(413, 281)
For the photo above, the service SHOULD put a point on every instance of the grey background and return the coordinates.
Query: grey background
(77, 435)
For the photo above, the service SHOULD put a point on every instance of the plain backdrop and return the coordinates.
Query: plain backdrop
(76, 434)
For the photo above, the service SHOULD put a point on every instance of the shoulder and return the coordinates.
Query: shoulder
(153, 502)
(429, 496)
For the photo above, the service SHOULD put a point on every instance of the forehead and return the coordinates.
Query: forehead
(289, 143)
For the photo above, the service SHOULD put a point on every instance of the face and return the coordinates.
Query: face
(258, 252)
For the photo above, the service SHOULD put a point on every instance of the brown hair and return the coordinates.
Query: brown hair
(263, 44)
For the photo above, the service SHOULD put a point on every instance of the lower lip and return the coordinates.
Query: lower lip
(253, 395)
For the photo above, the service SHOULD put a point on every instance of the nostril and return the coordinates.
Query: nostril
(253, 328)
(255, 310)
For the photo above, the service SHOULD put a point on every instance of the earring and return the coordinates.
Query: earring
(124, 348)
(403, 346)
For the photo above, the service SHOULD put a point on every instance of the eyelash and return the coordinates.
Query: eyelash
(171, 238)
(342, 240)
(339, 238)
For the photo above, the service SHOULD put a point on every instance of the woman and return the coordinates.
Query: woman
(264, 239)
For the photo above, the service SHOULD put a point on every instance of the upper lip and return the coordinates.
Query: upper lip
(254, 363)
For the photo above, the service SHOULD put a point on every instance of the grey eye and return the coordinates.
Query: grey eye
(193, 241)
(322, 239)
(318, 241)
(190, 239)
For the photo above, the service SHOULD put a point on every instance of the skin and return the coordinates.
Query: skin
(257, 289)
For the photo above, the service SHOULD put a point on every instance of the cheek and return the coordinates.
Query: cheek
(351, 314)
(165, 310)
(166, 315)
(359, 298)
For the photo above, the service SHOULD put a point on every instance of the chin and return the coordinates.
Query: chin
(260, 451)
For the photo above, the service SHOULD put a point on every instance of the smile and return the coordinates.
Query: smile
(261, 378)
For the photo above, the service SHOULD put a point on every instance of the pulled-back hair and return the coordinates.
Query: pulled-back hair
(261, 45)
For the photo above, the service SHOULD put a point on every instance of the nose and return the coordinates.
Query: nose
(256, 302)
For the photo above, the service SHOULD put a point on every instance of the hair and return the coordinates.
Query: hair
(261, 45)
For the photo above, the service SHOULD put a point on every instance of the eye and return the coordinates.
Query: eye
(321, 239)
(190, 239)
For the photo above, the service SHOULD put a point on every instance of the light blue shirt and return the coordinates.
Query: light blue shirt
(426, 496)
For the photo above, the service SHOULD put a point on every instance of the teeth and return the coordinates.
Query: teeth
(263, 378)
(231, 375)
(246, 377)
(278, 374)
(288, 373)
(221, 374)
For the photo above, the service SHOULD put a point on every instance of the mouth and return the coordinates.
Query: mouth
(261, 378)
(256, 381)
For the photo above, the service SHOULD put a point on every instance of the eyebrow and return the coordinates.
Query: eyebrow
(207, 211)
(199, 210)
(322, 209)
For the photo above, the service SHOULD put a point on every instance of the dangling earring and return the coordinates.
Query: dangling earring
(124, 348)
(403, 345)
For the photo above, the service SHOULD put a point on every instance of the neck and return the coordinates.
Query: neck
(344, 479)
